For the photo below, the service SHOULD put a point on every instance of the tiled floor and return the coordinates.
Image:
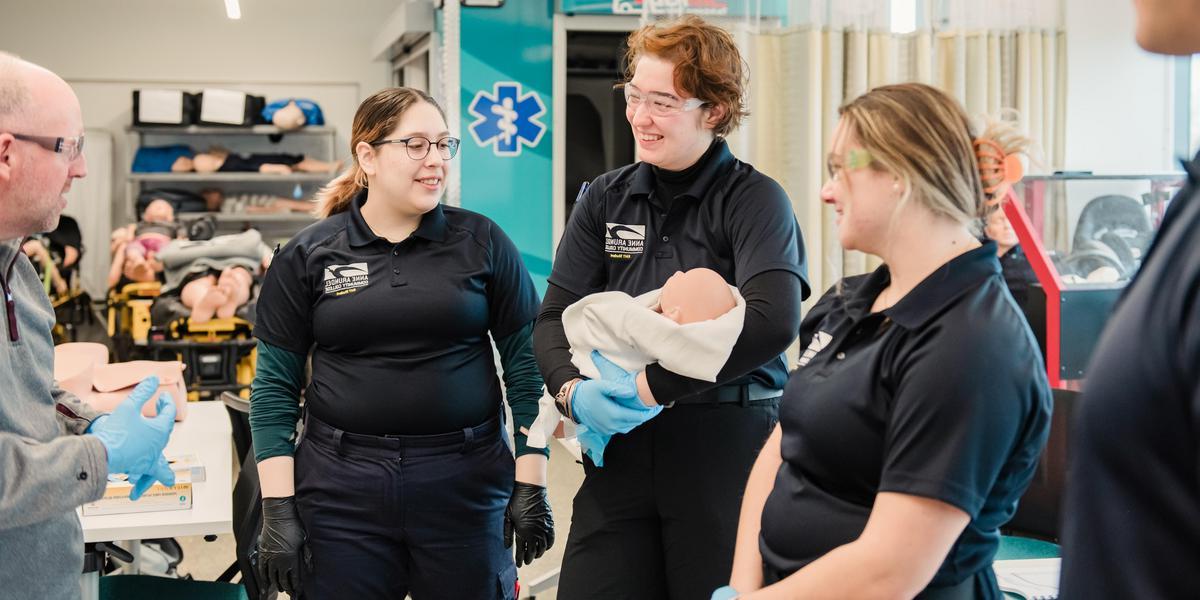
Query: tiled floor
(206, 560)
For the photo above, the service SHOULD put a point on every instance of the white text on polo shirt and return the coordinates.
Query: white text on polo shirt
(340, 278)
(624, 241)
(818, 343)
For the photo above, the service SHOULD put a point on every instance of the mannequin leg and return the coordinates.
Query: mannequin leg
(204, 297)
(275, 169)
(236, 281)
(311, 165)
(138, 265)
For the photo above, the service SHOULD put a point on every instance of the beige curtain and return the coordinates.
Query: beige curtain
(800, 76)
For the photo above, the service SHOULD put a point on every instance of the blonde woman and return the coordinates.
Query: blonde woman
(402, 483)
(920, 406)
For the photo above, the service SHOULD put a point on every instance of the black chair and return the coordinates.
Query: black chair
(247, 523)
(1112, 231)
(1039, 514)
(247, 503)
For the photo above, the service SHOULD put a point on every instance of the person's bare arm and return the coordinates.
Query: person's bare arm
(905, 540)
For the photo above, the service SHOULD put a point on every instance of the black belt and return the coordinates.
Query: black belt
(458, 441)
(732, 394)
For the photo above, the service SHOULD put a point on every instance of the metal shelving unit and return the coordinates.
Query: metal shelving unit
(316, 142)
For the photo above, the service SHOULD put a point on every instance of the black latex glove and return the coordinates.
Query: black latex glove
(528, 516)
(282, 554)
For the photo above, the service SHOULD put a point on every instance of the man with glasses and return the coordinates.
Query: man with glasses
(55, 451)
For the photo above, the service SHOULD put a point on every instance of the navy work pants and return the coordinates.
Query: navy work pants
(393, 515)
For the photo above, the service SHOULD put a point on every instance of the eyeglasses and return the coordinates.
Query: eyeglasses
(418, 147)
(659, 104)
(71, 147)
(856, 158)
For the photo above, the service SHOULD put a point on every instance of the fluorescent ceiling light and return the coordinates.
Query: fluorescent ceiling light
(232, 10)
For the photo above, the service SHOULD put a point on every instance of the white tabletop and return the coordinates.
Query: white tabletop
(206, 433)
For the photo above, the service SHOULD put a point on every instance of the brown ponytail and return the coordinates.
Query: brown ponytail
(335, 196)
(376, 117)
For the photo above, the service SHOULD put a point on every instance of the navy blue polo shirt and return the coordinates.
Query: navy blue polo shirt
(398, 332)
(1131, 520)
(944, 395)
(730, 218)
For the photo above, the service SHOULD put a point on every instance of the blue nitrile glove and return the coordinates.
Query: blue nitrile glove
(594, 404)
(725, 593)
(134, 444)
(593, 443)
(610, 405)
(161, 472)
(609, 371)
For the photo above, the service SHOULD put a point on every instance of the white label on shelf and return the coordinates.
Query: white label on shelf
(223, 106)
(160, 106)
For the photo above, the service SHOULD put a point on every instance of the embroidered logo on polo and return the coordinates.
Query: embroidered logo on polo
(344, 279)
(624, 241)
(818, 343)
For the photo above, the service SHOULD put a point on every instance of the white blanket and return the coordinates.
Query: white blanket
(632, 333)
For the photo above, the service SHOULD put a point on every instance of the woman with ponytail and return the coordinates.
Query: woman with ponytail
(402, 482)
(917, 413)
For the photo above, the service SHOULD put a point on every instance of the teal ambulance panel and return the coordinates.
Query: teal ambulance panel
(506, 76)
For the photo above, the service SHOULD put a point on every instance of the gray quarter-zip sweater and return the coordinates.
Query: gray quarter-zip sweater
(47, 466)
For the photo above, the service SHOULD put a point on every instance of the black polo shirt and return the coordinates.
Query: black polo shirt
(398, 332)
(943, 395)
(731, 219)
(1132, 512)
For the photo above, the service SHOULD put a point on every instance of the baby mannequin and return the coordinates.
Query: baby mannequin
(694, 296)
(688, 326)
(135, 246)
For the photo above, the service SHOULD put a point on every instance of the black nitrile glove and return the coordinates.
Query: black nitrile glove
(528, 516)
(282, 554)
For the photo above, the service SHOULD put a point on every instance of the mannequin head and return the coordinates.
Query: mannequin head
(213, 199)
(997, 228)
(289, 117)
(159, 211)
(695, 295)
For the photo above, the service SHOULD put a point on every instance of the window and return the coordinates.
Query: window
(904, 16)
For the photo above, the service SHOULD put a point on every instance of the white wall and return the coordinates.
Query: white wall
(1119, 97)
(296, 44)
(105, 49)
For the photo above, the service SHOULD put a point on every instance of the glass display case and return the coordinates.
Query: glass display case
(1084, 237)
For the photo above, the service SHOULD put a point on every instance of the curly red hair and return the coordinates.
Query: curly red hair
(708, 64)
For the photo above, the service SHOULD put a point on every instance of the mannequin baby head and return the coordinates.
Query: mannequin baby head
(159, 211)
(695, 295)
(289, 117)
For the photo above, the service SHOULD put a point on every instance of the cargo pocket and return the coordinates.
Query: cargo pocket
(506, 582)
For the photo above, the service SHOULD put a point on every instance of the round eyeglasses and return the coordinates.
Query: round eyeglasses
(418, 147)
